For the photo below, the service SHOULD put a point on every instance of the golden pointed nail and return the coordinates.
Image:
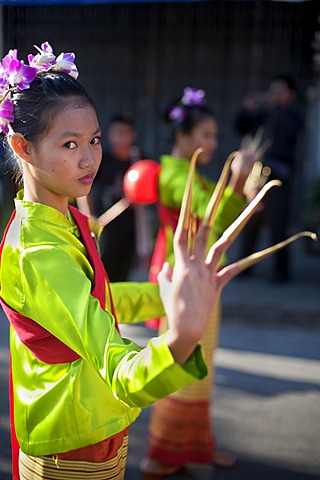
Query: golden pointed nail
(213, 205)
(254, 258)
(235, 228)
(185, 212)
(192, 233)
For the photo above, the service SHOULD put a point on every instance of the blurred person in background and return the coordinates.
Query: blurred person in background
(281, 124)
(180, 429)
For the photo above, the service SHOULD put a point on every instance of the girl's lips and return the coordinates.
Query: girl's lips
(87, 178)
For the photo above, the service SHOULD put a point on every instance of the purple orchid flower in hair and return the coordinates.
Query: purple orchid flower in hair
(177, 114)
(4, 83)
(20, 74)
(193, 96)
(11, 55)
(65, 63)
(15, 72)
(6, 114)
(44, 59)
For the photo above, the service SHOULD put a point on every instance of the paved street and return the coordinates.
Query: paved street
(267, 405)
(267, 388)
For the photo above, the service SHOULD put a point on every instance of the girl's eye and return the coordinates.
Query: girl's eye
(70, 145)
(96, 141)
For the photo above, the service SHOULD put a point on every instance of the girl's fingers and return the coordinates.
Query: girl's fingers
(165, 274)
(180, 245)
(165, 280)
(215, 253)
(226, 274)
(201, 242)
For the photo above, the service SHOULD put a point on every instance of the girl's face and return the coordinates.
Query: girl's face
(205, 135)
(64, 163)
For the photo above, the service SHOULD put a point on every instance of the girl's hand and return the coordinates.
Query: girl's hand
(191, 289)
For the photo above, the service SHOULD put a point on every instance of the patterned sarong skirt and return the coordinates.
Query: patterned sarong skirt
(53, 467)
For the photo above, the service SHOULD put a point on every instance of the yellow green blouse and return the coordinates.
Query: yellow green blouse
(46, 276)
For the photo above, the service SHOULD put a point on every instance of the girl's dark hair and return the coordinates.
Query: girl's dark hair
(193, 115)
(36, 107)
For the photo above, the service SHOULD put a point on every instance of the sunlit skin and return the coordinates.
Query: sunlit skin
(64, 163)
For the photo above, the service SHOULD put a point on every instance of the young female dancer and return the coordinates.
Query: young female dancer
(194, 126)
(76, 383)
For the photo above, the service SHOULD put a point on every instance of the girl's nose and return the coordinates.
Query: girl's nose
(87, 158)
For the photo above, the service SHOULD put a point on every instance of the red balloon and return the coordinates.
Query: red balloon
(140, 182)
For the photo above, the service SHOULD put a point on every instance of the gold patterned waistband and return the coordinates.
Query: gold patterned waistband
(54, 468)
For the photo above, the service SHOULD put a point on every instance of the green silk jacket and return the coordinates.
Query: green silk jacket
(45, 275)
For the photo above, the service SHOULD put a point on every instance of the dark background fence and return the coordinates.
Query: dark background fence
(138, 56)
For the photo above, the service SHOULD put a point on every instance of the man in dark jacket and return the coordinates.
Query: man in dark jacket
(281, 125)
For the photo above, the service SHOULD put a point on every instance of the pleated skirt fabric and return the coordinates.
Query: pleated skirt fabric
(180, 428)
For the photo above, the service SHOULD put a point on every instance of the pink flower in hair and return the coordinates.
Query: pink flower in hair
(4, 83)
(44, 59)
(20, 74)
(193, 96)
(15, 74)
(177, 114)
(11, 55)
(6, 114)
(65, 63)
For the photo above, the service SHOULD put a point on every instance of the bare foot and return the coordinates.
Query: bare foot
(224, 460)
(153, 469)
